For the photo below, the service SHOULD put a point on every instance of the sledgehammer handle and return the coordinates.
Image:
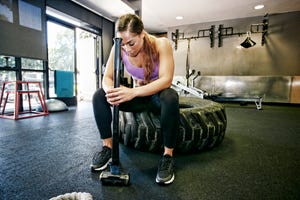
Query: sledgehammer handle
(117, 79)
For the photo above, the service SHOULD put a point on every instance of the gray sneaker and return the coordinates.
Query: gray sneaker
(165, 173)
(101, 159)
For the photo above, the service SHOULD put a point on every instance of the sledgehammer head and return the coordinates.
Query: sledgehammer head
(115, 177)
(108, 178)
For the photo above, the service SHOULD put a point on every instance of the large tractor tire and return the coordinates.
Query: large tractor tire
(202, 126)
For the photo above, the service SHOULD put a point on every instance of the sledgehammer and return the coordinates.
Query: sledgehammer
(115, 175)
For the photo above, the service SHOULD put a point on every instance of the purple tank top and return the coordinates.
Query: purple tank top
(137, 73)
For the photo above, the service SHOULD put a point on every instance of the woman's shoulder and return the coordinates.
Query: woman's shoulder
(162, 42)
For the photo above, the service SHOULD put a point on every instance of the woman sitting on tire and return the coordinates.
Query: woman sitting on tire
(149, 60)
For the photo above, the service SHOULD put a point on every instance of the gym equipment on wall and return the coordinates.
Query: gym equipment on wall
(201, 34)
(197, 75)
(187, 64)
(224, 32)
(187, 89)
(248, 42)
(261, 28)
(254, 28)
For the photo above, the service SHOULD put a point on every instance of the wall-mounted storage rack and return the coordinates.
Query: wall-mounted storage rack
(224, 32)
(201, 34)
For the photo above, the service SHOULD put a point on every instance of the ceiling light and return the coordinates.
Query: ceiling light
(179, 17)
(259, 7)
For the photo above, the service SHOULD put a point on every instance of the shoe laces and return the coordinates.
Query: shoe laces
(165, 162)
(101, 154)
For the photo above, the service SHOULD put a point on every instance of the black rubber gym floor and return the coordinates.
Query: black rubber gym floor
(44, 157)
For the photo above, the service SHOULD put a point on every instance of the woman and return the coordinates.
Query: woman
(149, 60)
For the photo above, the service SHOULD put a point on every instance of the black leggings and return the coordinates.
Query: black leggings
(165, 102)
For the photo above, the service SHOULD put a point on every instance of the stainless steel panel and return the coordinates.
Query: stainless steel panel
(271, 88)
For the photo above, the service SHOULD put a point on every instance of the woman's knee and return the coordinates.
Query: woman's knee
(99, 96)
(169, 96)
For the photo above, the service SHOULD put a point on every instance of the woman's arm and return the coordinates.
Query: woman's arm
(122, 94)
(166, 70)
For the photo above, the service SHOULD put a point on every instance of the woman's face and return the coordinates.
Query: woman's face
(131, 42)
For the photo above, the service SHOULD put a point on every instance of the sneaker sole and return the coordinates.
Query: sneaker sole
(101, 168)
(166, 182)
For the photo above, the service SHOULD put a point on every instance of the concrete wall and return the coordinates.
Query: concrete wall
(275, 63)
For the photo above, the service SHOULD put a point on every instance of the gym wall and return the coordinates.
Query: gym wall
(23, 29)
(271, 71)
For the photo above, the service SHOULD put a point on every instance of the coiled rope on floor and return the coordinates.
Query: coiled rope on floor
(74, 196)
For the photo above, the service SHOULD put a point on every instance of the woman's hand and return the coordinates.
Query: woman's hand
(115, 96)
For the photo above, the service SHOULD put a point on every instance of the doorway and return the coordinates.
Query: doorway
(87, 57)
(76, 50)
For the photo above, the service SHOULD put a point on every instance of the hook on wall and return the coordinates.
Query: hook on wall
(248, 42)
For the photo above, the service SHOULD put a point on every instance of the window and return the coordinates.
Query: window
(32, 64)
(7, 62)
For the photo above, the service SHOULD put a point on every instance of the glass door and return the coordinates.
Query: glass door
(87, 60)
(83, 59)
(61, 54)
